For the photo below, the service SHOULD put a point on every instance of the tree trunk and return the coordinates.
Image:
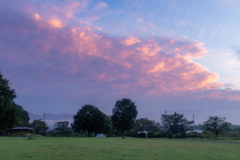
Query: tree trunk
(88, 134)
(122, 134)
(216, 134)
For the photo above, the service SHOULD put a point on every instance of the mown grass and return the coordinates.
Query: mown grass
(49, 148)
(218, 139)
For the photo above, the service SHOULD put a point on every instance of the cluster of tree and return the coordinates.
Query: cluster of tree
(11, 114)
(90, 120)
(175, 124)
(60, 128)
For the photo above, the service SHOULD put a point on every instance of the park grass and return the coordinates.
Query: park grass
(53, 148)
(218, 139)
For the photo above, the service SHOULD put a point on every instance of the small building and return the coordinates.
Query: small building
(19, 131)
(195, 131)
(145, 133)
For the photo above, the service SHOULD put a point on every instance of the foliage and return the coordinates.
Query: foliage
(124, 115)
(175, 123)
(113, 131)
(89, 118)
(39, 126)
(22, 116)
(165, 121)
(107, 125)
(61, 128)
(144, 124)
(7, 106)
(216, 125)
(11, 114)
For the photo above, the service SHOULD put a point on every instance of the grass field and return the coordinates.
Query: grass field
(44, 148)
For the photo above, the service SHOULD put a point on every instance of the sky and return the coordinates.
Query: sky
(177, 56)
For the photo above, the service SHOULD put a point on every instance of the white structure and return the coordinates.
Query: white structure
(146, 132)
(100, 135)
(194, 131)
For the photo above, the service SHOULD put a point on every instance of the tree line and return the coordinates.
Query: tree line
(90, 120)
(11, 114)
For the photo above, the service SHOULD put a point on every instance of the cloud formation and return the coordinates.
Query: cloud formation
(48, 43)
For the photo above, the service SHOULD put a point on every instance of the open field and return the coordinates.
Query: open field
(44, 148)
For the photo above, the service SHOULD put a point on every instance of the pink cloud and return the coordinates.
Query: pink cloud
(101, 5)
(130, 41)
(45, 46)
(219, 94)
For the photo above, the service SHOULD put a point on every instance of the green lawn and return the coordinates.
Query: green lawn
(42, 148)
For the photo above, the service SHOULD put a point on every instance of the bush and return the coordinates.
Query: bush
(3, 133)
(161, 134)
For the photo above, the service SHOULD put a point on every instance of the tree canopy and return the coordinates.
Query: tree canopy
(144, 124)
(216, 125)
(11, 114)
(7, 105)
(22, 116)
(175, 123)
(89, 118)
(39, 126)
(62, 128)
(123, 115)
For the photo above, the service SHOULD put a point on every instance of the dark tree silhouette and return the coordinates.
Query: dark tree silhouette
(216, 125)
(89, 118)
(142, 124)
(39, 126)
(22, 116)
(175, 123)
(7, 106)
(124, 115)
(62, 128)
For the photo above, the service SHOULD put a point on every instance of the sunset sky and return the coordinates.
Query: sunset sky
(174, 55)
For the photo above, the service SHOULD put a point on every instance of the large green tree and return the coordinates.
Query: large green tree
(123, 115)
(89, 118)
(39, 126)
(216, 125)
(7, 105)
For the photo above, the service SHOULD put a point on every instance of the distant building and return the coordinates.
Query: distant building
(19, 130)
(145, 132)
(194, 131)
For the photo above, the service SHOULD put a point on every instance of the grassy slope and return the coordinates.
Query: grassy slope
(17, 148)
